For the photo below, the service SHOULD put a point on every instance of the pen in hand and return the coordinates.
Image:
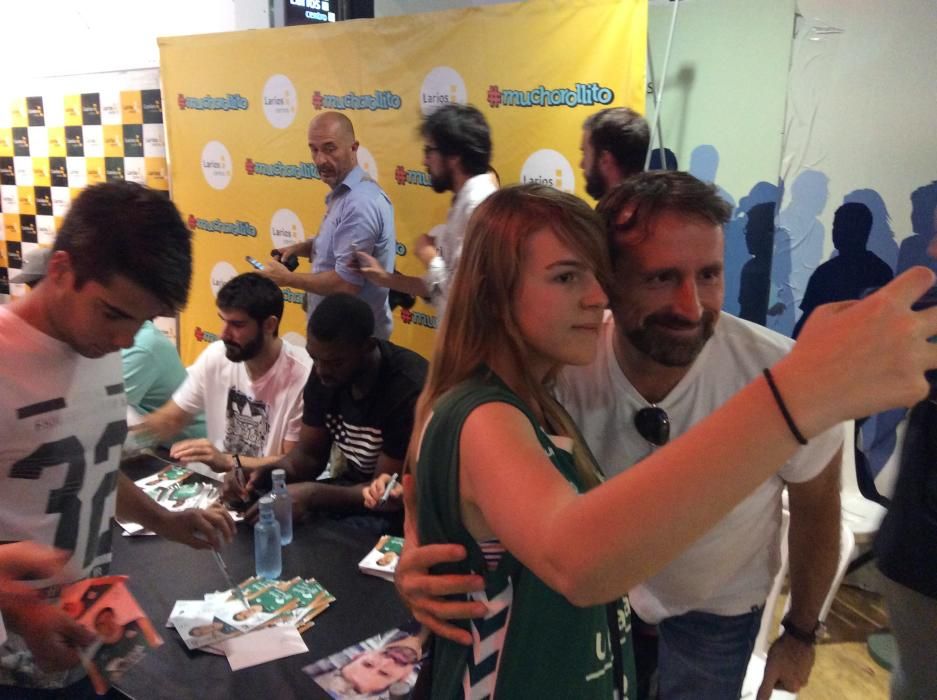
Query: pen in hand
(387, 489)
(224, 572)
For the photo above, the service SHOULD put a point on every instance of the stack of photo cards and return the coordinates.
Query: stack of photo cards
(173, 489)
(207, 624)
(382, 560)
(373, 667)
(124, 632)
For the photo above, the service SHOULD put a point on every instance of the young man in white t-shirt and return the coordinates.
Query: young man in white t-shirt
(249, 385)
(121, 256)
(667, 358)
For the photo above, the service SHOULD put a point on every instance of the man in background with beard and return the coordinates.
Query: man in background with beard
(614, 146)
(249, 384)
(667, 358)
(457, 156)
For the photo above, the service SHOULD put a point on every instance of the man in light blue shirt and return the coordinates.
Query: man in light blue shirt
(152, 372)
(359, 217)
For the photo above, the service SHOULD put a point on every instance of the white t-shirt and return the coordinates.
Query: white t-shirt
(62, 424)
(730, 568)
(449, 240)
(247, 417)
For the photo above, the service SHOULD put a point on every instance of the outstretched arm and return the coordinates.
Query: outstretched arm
(165, 422)
(653, 511)
(199, 528)
(375, 273)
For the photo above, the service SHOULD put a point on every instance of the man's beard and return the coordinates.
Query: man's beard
(595, 183)
(442, 182)
(243, 353)
(653, 340)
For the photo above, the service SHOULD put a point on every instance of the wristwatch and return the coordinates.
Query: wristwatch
(801, 635)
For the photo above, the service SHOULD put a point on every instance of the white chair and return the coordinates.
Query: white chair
(860, 515)
(756, 665)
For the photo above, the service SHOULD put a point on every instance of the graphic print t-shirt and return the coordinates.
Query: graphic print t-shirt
(242, 416)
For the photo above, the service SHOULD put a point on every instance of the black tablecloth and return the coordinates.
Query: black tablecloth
(162, 572)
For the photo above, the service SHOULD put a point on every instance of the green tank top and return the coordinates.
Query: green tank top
(550, 648)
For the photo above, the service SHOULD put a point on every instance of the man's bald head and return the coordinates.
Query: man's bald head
(336, 122)
(333, 147)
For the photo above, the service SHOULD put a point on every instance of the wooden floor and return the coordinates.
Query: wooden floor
(844, 670)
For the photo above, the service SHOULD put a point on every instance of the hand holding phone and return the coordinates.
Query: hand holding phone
(290, 263)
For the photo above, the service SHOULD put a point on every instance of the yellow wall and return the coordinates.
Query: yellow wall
(238, 104)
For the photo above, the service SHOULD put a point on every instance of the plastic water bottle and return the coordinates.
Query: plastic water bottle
(399, 691)
(282, 506)
(268, 559)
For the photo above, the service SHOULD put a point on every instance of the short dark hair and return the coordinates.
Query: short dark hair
(623, 133)
(654, 192)
(255, 295)
(122, 228)
(342, 318)
(857, 216)
(460, 130)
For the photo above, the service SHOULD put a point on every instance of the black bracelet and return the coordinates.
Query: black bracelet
(784, 412)
(795, 632)
(239, 471)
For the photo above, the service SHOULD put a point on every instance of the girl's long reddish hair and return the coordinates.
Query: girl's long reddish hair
(479, 323)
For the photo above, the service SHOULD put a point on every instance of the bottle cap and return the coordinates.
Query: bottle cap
(399, 691)
(279, 474)
(267, 501)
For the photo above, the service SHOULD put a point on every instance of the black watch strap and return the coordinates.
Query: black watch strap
(801, 635)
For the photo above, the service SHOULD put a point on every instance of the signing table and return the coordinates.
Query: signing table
(162, 572)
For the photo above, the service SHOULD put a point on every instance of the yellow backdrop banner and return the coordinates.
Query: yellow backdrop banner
(237, 106)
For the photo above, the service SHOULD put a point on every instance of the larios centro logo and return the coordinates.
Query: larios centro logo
(407, 176)
(279, 101)
(231, 101)
(441, 86)
(580, 95)
(299, 171)
(286, 228)
(233, 228)
(549, 167)
(221, 272)
(216, 165)
(379, 99)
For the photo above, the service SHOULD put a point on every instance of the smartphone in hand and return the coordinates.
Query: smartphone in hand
(290, 263)
(254, 261)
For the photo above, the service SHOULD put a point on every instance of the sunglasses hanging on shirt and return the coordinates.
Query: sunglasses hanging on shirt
(653, 424)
